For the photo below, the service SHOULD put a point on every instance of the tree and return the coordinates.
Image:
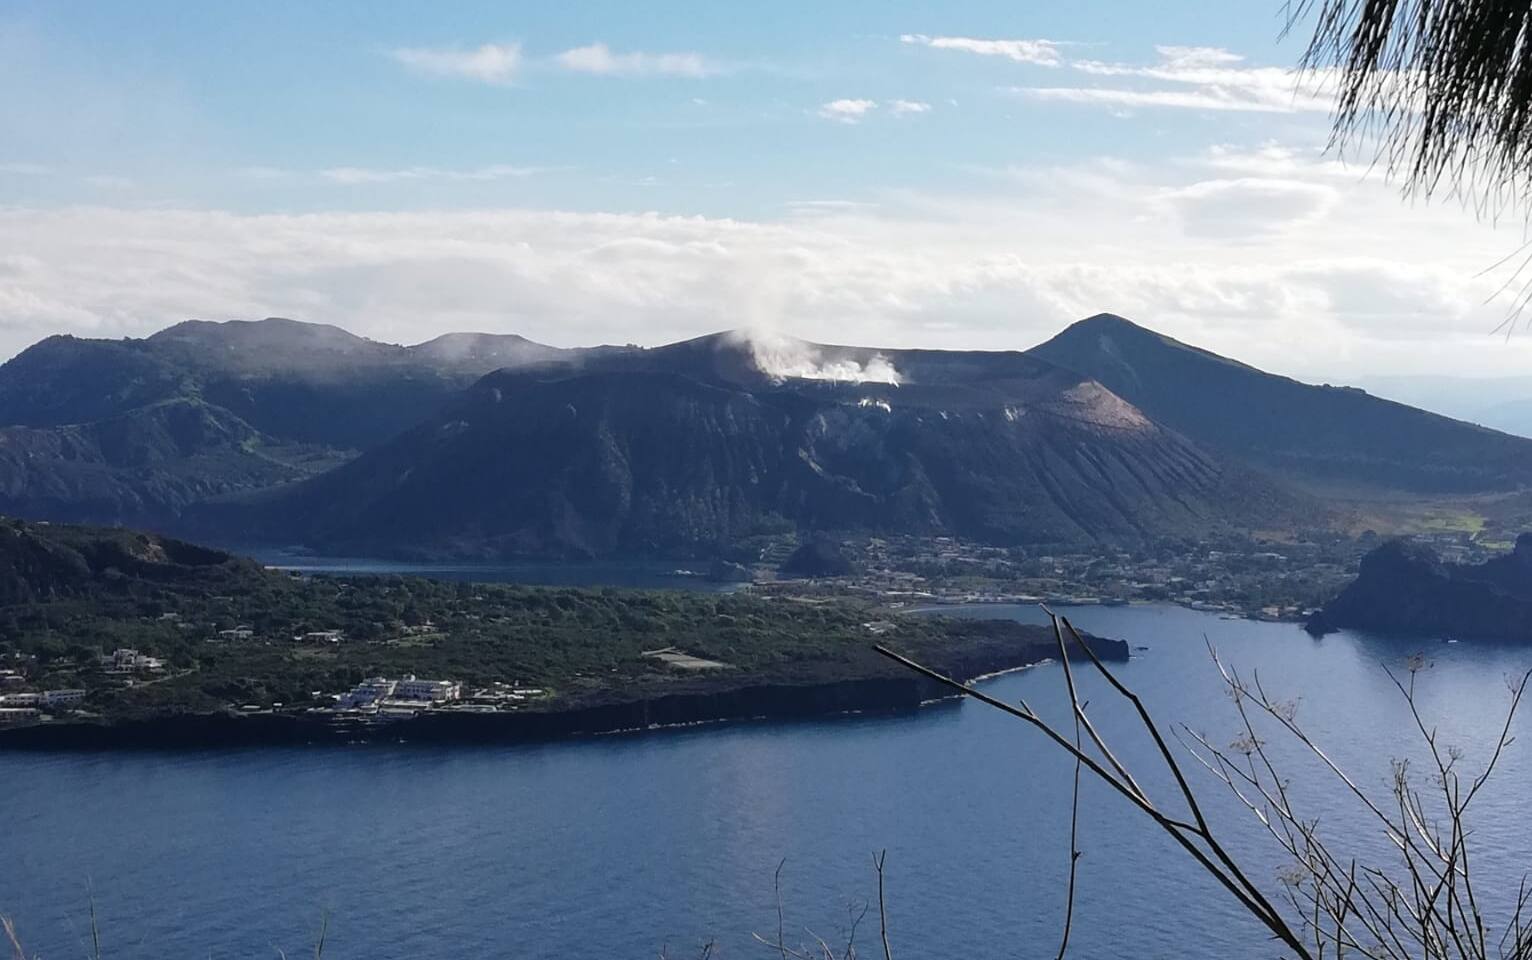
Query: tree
(1441, 88)
(1332, 902)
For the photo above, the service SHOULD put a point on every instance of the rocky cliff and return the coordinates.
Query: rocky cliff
(1405, 588)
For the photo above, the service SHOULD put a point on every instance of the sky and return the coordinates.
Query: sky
(951, 175)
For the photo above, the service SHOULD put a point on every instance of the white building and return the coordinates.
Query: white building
(376, 690)
(62, 698)
(437, 691)
(128, 660)
(12, 700)
(322, 636)
(18, 714)
(240, 632)
(368, 692)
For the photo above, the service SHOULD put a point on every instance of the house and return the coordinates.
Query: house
(322, 636)
(62, 698)
(436, 691)
(367, 693)
(128, 660)
(240, 632)
(379, 691)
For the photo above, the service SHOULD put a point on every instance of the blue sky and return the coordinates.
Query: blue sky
(954, 174)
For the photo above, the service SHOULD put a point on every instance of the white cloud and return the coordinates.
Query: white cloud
(1247, 209)
(487, 63)
(903, 107)
(361, 175)
(847, 110)
(1198, 78)
(1041, 52)
(1194, 57)
(1327, 279)
(600, 60)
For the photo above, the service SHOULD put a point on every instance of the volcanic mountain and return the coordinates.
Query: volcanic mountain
(1329, 439)
(133, 431)
(700, 443)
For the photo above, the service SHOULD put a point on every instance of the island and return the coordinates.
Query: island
(113, 638)
(1405, 588)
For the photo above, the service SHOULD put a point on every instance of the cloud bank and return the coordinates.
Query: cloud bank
(1253, 252)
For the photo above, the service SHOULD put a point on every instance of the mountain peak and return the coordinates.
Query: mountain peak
(270, 331)
(1326, 437)
(1104, 320)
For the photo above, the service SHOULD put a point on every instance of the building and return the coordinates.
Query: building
(18, 714)
(436, 691)
(62, 698)
(127, 660)
(375, 691)
(322, 636)
(240, 632)
(367, 693)
(13, 700)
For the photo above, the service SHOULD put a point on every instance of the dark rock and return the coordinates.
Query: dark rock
(818, 559)
(1405, 588)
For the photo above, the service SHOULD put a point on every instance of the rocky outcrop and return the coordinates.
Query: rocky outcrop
(1405, 588)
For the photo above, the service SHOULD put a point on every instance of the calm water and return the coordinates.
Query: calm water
(642, 575)
(614, 847)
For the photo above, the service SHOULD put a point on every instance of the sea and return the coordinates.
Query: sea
(668, 843)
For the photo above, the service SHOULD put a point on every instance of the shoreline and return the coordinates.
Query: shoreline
(766, 699)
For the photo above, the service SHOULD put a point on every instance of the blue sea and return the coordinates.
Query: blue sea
(624, 846)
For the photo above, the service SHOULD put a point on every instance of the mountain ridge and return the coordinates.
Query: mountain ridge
(494, 445)
(691, 445)
(1324, 438)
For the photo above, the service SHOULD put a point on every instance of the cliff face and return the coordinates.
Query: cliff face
(1404, 588)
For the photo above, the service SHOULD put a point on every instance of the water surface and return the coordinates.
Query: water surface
(616, 846)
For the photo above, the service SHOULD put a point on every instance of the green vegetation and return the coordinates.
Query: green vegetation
(69, 595)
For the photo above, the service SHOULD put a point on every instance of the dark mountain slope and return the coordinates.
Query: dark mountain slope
(133, 431)
(41, 562)
(143, 466)
(1327, 437)
(689, 446)
(66, 380)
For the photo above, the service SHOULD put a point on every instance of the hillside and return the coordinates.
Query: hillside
(1405, 588)
(42, 563)
(687, 447)
(1326, 438)
(136, 431)
(226, 637)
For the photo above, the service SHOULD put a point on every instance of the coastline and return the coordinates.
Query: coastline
(758, 698)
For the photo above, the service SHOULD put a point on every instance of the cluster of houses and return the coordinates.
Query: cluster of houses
(408, 693)
(19, 707)
(244, 631)
(126, 660)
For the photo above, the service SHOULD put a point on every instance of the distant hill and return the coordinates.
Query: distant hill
(1405, 588)
(1328, 438)
(685, 447)
(41, 562)
(135, 431)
